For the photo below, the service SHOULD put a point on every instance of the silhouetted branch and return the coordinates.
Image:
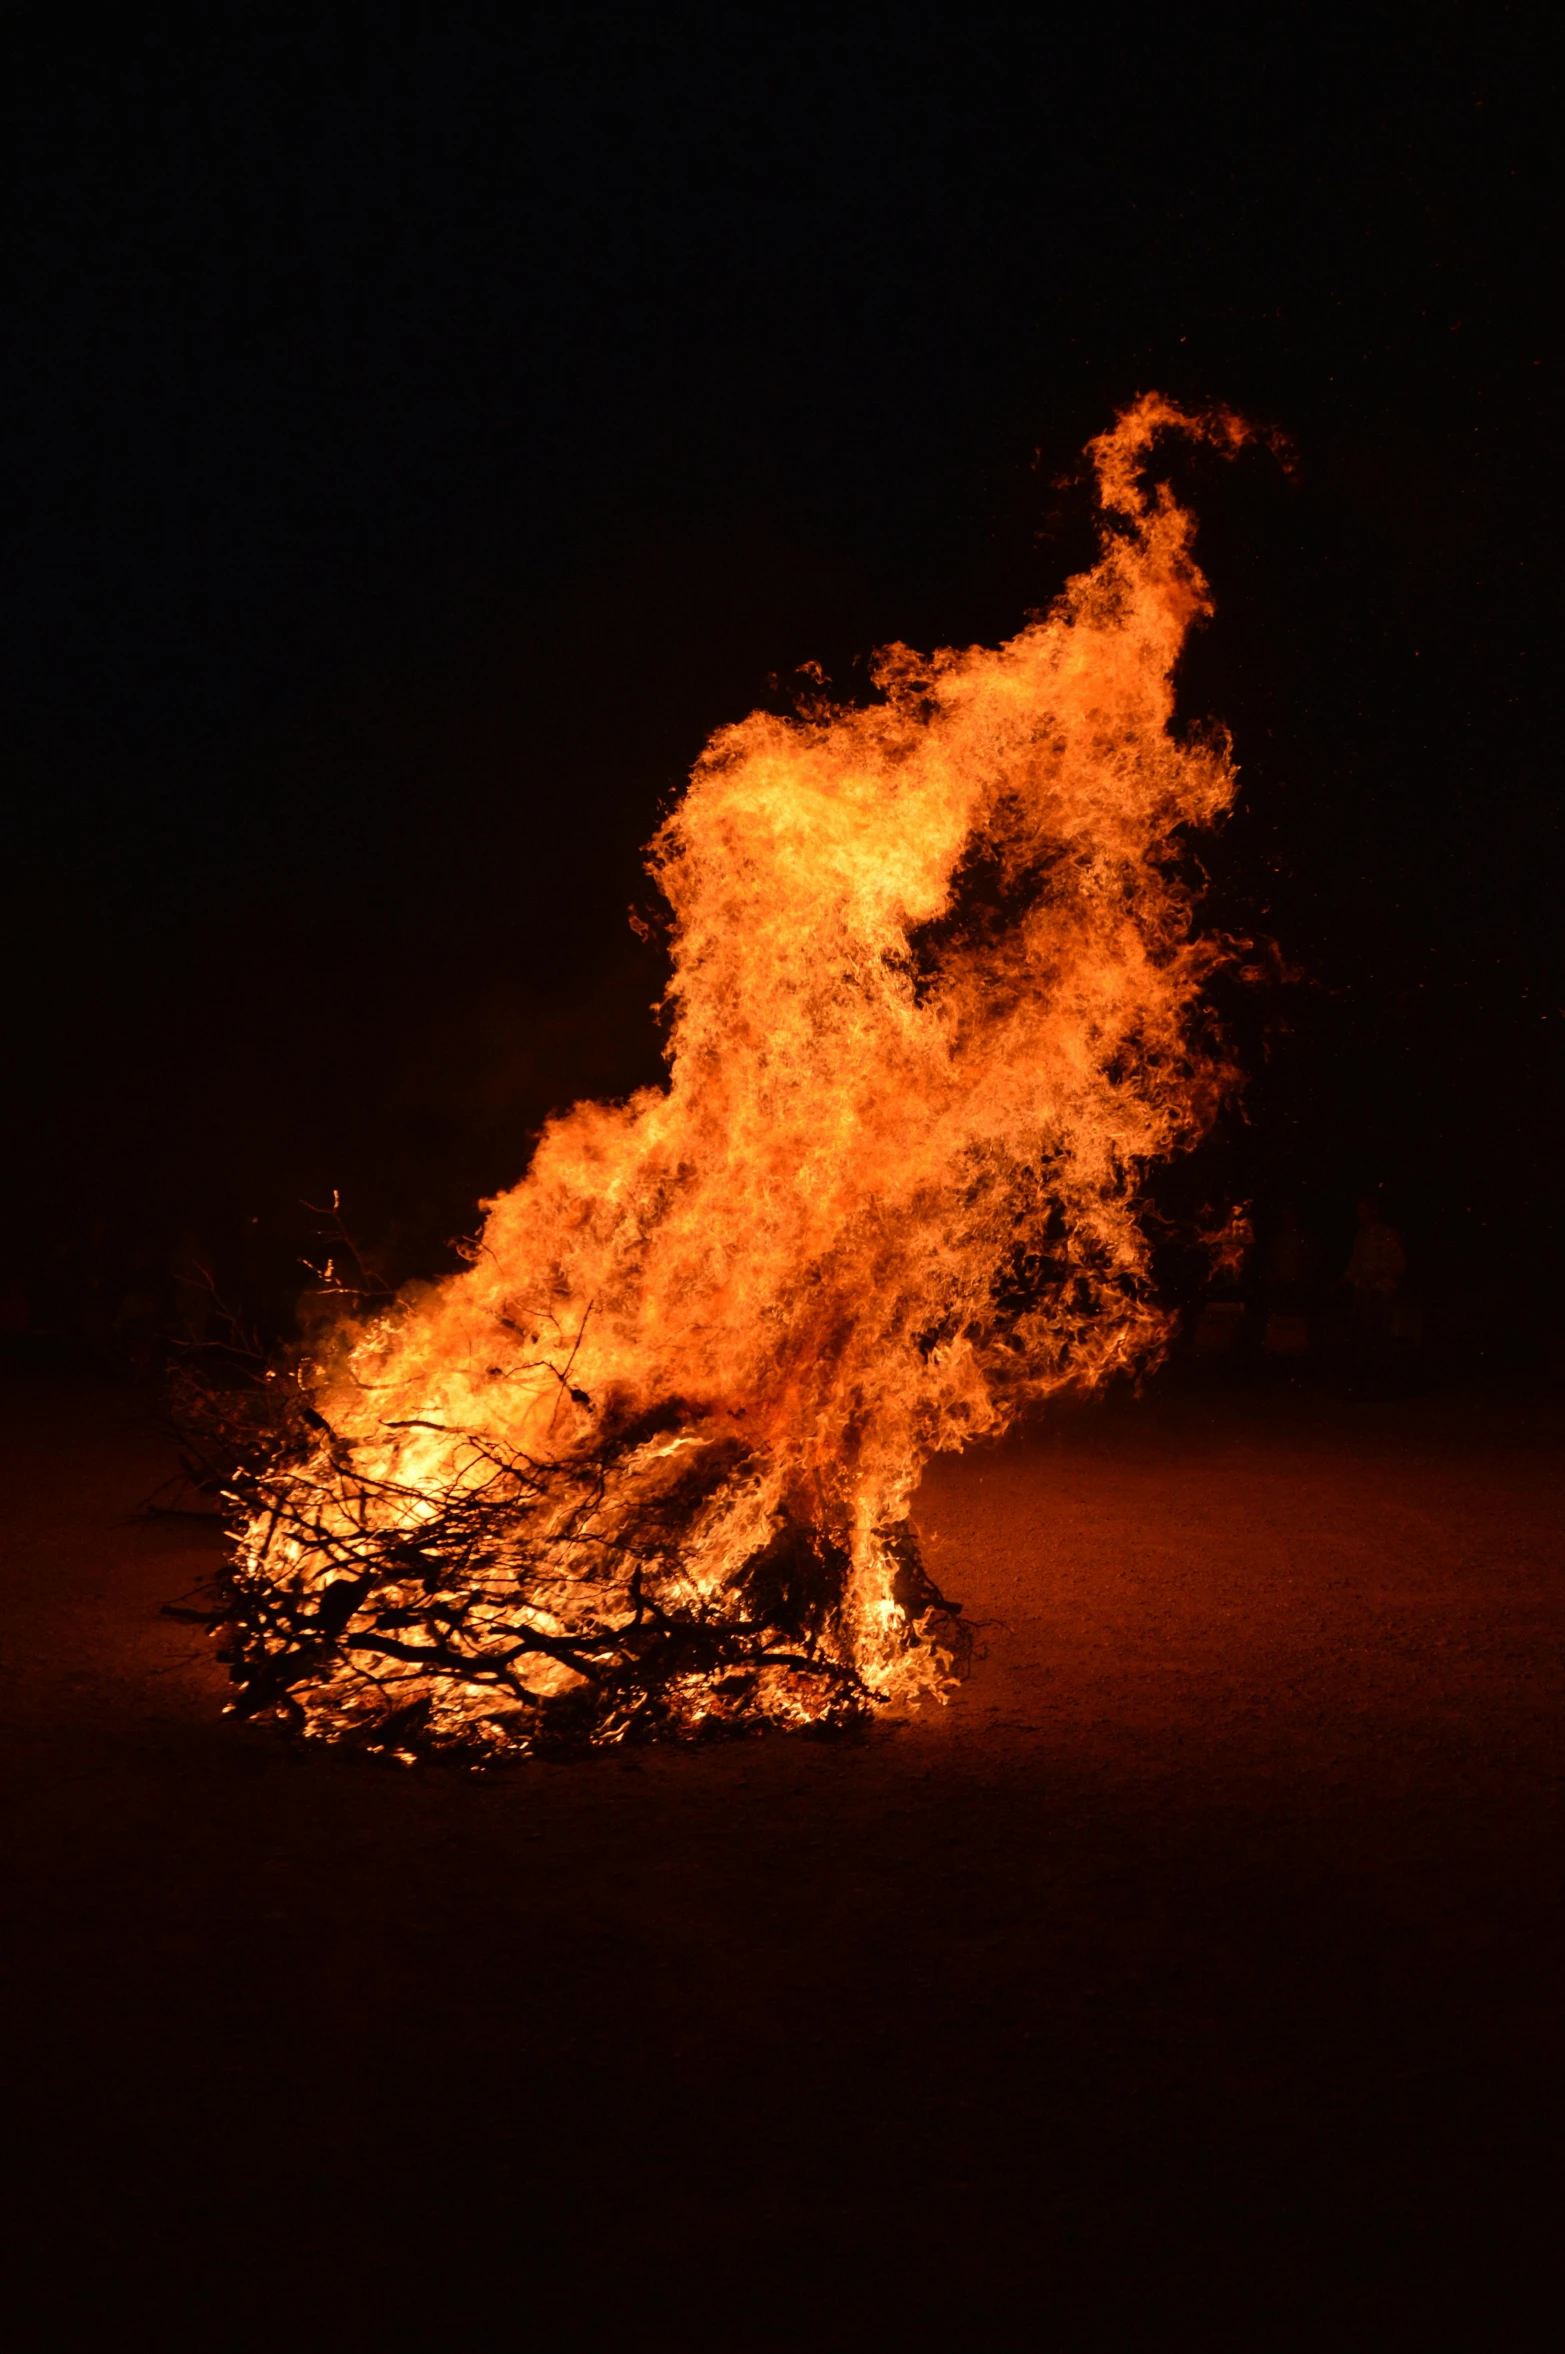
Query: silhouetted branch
(525, 1605)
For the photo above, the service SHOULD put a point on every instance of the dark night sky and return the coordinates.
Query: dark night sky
(424, 425)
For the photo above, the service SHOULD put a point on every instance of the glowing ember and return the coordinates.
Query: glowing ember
(645, 1464)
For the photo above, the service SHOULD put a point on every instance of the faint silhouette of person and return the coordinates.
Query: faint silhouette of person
(96, 1292)
(189, 1264)
(1293, 1261)
(1378, 1261)
(1290, 1273)
(136, 1316)
(1376, 1270)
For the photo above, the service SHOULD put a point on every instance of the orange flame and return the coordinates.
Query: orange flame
(934, 979)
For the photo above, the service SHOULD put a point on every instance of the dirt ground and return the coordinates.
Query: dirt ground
(1192, 1981)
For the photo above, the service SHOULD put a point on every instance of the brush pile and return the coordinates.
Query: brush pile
(534, 1604)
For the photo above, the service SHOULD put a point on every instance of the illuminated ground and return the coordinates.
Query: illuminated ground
(1194, 1980)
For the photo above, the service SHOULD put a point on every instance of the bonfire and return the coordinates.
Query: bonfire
(643, 1466)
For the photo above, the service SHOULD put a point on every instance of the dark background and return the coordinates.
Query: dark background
(423, 426)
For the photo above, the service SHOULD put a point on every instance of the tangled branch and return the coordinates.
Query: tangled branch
(522, 1605)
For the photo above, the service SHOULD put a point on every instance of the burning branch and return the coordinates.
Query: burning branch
(404, 1615)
